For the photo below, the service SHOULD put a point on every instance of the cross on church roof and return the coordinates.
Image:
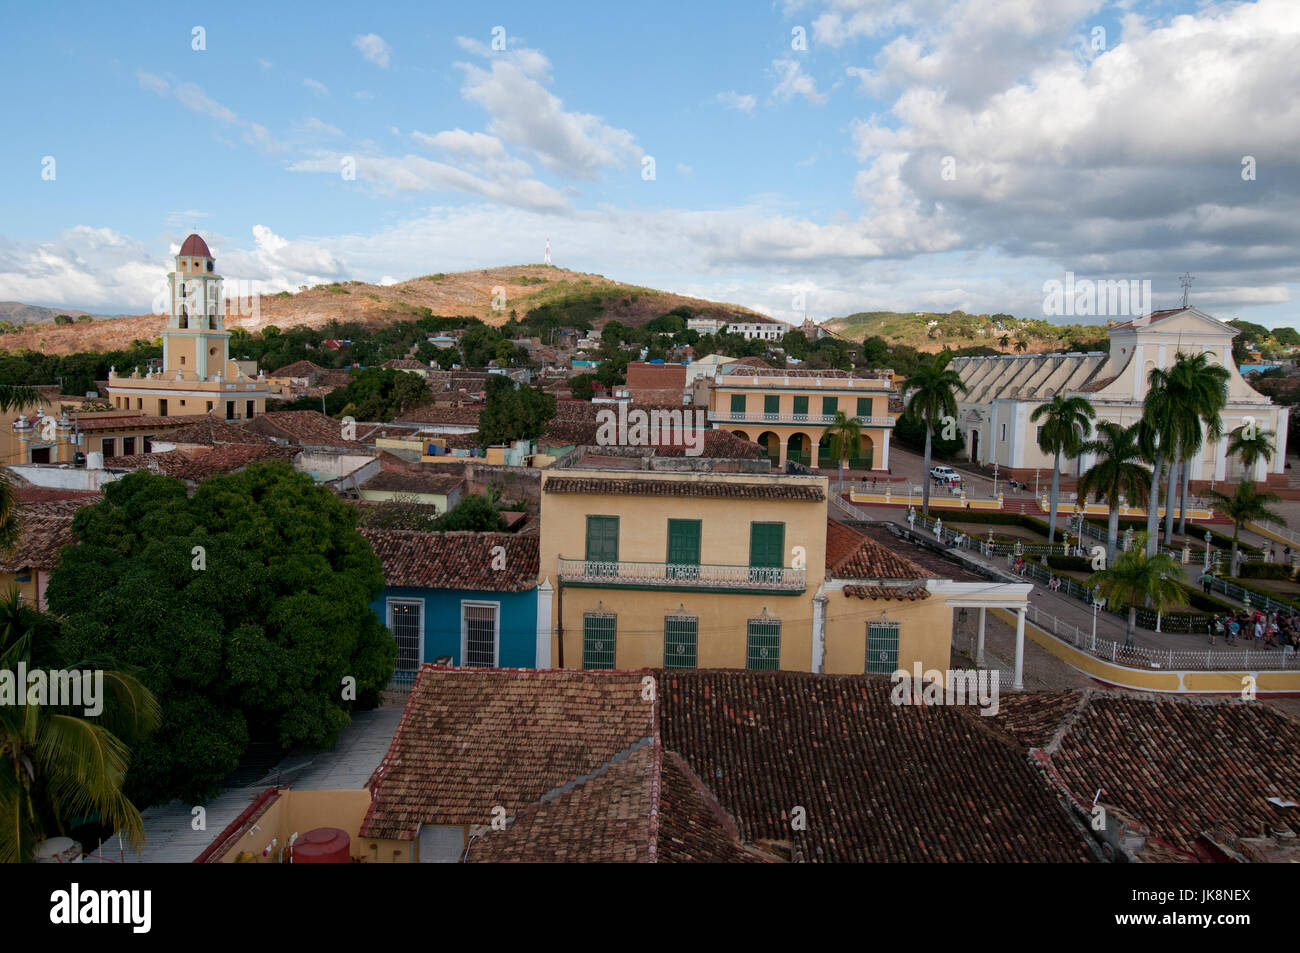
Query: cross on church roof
(1186, 281)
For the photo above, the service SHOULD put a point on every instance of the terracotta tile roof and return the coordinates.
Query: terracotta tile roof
(603, 820)
(168, 462)
(909, 593)
(743, 369)
(1151, 318)
(40, 541)
(852, 555)
(460, 560)
(1177, 766)
(407, 481)
(205, 431)
(718, 444)
(933, 565)
(879, 782)
(58, 506)
(443, 414)
(306, 369)
(404, 364)
(693, 827)
(1094, 386)
(127, 422)
(713, 488)
(228, 458)
(474, 739)
(306, 428)
(335, 377)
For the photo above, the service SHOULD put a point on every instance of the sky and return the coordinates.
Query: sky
(815, 157)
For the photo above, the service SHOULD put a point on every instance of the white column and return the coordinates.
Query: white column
(545, 594)
(1280, 429)
(819, 632)
(1221, 460)
(884, 453)
(979, 641)
(1019, 680)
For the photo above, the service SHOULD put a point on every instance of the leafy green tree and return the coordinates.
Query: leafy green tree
(1117, 472)
(244, 607)
(473, 513)
(59, 763)
(511, 413)
(1157, 435)
(580, 385)
(1287, 337)
(1248, 503)
(934, 388)
(1066, 422)
(1135, 578)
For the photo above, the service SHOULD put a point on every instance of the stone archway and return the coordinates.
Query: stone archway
(771, 444)
(799, 448)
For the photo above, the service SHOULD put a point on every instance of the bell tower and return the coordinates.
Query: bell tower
(196, 345)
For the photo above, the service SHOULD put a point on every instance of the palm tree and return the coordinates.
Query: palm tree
(1118, 471)
(1022, 345)
(934, 386)
(1252, 443)
(1135, 578)
(846, 437)
(1004, 342)
(1198, 392)
(1249, 503)
(1066, 422)
(57, 763)
(1156, 436)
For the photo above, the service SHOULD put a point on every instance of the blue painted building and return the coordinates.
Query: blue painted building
(469, 599)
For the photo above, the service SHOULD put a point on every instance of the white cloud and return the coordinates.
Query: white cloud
(792, 81)
(373, 48)
(192, 97)
(526, 115)
(313, 126)
(318, 88)
(733, 100)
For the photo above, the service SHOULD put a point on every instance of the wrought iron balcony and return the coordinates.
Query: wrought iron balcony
(816, 420)
(583, 572)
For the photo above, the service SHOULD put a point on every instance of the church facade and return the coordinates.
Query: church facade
(197, 375)
(1004, 391)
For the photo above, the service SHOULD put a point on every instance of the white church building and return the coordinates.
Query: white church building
(1004, 390)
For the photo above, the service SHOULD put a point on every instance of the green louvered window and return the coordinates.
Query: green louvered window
(830, 405)
(882, 648)
(738, 404)
(772, 404)
(763, 645)
(766, 551)
(599, 640)
(801, 407)
(683, 549)
(864, 406)
(602, 545)
(681, 641)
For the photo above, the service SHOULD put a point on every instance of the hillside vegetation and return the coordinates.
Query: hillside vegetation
(493, 295)
(931, 331)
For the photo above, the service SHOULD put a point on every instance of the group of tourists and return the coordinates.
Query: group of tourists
(1268, 630)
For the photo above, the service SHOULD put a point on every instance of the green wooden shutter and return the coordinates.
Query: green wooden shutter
(766, 550)
(738, 403)
(599, 640)
(683, 549)
(602, 545)
(772, 404)
(801, 407)
(830, 405)
(763, 644)
(864, 406)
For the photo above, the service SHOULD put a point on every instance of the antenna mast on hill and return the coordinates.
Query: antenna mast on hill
(1186, 281)
(548, 249)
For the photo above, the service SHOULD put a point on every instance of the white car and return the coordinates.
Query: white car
(944, 473)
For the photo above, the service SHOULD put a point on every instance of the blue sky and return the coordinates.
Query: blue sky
(927, 154)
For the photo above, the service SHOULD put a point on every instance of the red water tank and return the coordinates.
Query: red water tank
(324, 845)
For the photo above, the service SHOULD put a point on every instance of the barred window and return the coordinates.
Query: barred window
(882, 648)
(406, 622)
(681, 641)
(479, 631)
(763, 644)
(599, 630)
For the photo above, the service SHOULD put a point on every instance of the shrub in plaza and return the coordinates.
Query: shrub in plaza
(243, 607)
(1264, 571)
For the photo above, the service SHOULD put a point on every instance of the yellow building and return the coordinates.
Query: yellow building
(197, 376)
(696, 568)
(788, 412)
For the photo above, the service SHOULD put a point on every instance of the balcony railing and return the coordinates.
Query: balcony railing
(817, 420)
(613, 574)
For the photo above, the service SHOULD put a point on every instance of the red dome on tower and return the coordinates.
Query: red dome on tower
(195, 247)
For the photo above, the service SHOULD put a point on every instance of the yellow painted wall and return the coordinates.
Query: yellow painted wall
(924, 633)
(302, 811)
(724, 540)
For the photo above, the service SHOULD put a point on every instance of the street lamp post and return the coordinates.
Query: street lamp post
(1096, 605)
(995, 479)
(1208, 537)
